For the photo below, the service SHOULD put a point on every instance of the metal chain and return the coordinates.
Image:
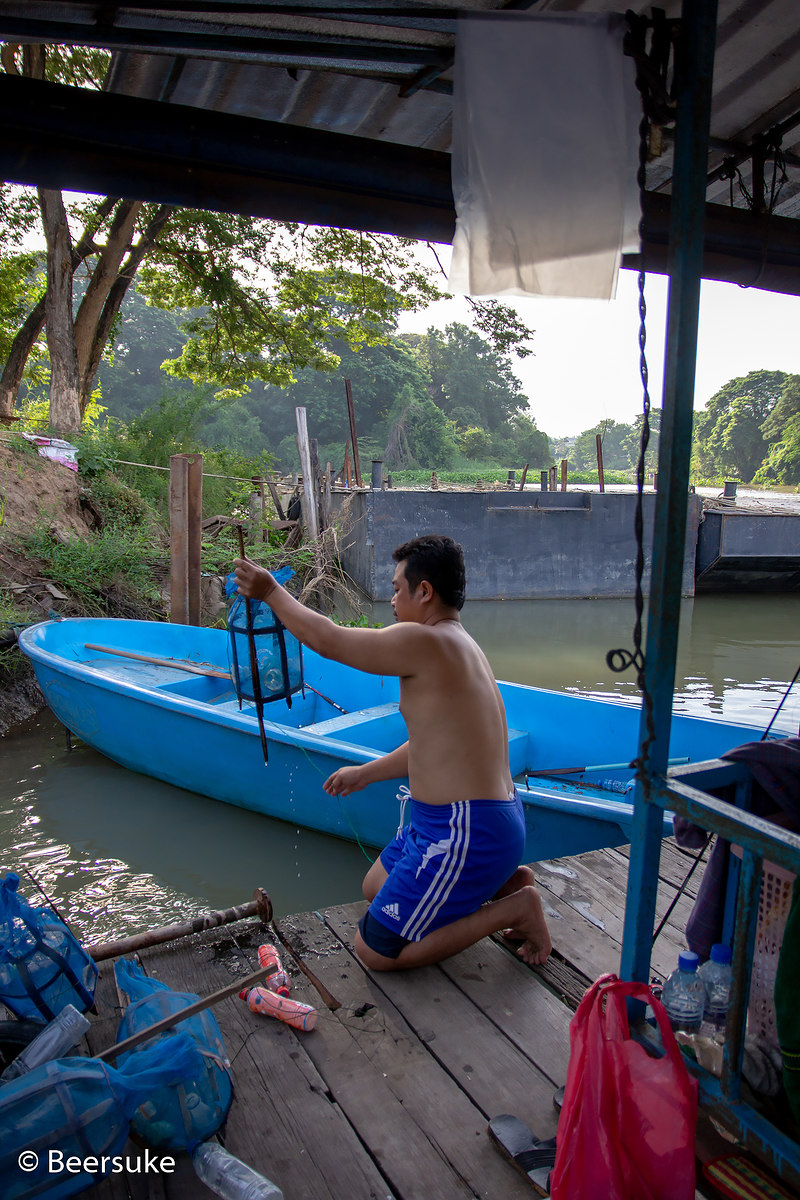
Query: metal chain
(621, 660)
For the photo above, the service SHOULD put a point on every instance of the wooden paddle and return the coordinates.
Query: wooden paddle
(177, 664)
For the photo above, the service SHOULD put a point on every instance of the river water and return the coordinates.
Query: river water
(120, 853)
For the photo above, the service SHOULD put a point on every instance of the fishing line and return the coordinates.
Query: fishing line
(780, 706)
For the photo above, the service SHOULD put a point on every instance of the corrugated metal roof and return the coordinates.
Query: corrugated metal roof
(384, 71)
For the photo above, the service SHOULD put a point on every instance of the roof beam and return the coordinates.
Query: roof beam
(98, 142)
(65, 137)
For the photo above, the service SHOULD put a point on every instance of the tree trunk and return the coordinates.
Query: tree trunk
(100, 283)
(26, 338)
(18, 356)
(114, 297)
(65, 415)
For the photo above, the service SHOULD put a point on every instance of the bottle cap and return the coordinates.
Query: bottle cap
(688, 960)
(721, 953)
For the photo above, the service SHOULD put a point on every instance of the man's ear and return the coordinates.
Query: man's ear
(425, 590)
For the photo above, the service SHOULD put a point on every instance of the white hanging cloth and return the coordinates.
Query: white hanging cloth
(545, 154)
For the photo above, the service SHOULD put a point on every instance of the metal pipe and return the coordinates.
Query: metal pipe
(694, 76)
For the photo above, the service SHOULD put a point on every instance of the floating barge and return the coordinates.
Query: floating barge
(389, 1097)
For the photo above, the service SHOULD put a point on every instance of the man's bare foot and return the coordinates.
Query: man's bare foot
(536, 947)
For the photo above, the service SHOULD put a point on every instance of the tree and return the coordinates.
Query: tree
(632, 441)
(419, 434)
(468, 378)
(267, 298)
(782, 431)
(613, 436)
(728, 437)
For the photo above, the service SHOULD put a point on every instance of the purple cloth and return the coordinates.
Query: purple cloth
(775, 767)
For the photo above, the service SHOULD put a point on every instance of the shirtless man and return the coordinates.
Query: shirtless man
(451, 876)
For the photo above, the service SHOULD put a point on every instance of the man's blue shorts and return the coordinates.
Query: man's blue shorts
(448, 861)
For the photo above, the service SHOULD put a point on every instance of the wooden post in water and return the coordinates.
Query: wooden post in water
(564, 465)
(353, 437)
(553, 480)
(310, 516)
(598, 441)
(185, 537)
(524, 477)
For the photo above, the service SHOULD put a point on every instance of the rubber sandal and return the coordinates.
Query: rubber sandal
(741, 1178)
(533, 1158)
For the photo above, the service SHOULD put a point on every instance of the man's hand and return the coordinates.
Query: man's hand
(344, 781)
(253, 582)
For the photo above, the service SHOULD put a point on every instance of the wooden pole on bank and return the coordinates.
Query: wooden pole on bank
(185, 536)
(600, 478)
(564, 466)
(310, 515)
(353, 437)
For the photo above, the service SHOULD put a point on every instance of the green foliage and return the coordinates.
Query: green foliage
(782, 463)
(614, 439)
(120, 504)
(89, 569)
(468, 378)
(728, 437)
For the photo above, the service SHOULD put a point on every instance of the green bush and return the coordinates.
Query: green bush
(91, 569)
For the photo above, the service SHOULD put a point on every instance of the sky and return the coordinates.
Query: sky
(585, 362)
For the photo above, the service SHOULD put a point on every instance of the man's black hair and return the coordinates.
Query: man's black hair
(438, 559)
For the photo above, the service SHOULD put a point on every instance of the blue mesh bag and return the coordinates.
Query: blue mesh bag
(43, 966)
(180, 1115)
(278, 655)
(79, 1108)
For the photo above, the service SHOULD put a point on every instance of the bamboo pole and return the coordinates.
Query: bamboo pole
(176, 663)
(183, 1014)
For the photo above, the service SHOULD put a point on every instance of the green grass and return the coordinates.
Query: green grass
(89, 570)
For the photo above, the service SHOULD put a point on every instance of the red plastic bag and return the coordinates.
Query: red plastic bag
(627, 1125)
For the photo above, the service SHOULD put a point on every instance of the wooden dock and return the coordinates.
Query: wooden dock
(390, 1095)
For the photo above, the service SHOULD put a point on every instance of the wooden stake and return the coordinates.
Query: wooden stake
(353, 436)
(600, 477)
(564, 465)
(524, 477)
(310, 517)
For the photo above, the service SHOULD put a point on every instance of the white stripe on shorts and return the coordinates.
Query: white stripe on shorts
(446, 876)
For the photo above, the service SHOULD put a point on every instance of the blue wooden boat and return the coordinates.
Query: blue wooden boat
(131, 689)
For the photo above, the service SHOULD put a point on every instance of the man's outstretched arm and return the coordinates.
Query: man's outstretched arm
(395, 650)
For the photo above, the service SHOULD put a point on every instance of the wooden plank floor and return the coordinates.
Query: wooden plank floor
(390, 1095)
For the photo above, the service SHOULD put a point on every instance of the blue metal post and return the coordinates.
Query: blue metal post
(694, 75)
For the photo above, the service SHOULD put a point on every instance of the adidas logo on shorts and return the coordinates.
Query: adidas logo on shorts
(392, 910)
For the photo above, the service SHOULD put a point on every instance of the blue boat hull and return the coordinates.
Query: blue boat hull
(188, 729)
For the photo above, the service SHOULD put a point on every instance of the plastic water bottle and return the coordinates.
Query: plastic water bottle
(279, 982)
(684, 994)
(229, 1177)
(55, 1041)
(716, 977)
(262, 1000)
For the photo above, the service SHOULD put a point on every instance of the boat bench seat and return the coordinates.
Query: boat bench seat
(342, 725)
